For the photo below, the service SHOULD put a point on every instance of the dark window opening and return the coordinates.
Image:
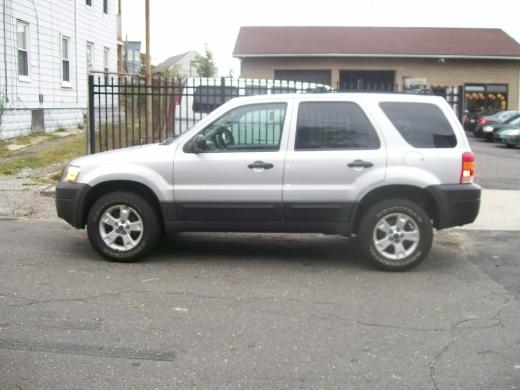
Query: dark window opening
(207, 98)
(309, 76)
(367, 80)
(485, 97)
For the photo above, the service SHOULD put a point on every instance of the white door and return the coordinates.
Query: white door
(333, 155)
(237, 175)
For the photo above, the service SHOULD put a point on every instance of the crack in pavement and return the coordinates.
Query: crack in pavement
(87, 350)
(186, 293)
(454, 339)
(391, 326)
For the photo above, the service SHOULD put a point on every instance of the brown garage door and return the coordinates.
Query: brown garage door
(311, 76)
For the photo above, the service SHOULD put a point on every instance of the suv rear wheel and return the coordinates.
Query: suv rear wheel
(395, 235)
(123, 226)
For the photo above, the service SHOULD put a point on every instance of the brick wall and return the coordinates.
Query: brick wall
(452, 72)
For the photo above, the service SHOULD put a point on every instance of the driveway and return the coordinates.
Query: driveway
(248, 311)
(228, 311)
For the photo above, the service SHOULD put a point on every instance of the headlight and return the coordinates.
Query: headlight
(71, 174)
(488, 129)
(514, 132)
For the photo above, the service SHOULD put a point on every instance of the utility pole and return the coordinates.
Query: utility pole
(148, 63)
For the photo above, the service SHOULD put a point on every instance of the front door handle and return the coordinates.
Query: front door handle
(360, 164)
(260, 165)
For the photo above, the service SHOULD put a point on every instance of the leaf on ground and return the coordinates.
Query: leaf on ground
(136, 305)
(149, 280)
(180, 309)
(396, 377)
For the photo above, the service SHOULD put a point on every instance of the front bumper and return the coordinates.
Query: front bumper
(70, 202)
(458, 204)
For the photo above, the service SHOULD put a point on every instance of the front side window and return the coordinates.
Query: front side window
(88, 3)
(105, 6)
(65, 62)
(334, 125)
(256, 127)
(22, 32)
(422, 125)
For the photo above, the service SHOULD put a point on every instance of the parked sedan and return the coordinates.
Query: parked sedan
(488, 131)
(499, 117)
(472, 115)
(509, 137)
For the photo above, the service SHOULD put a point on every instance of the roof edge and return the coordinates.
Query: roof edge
(321, 55)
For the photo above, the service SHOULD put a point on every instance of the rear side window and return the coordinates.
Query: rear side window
(334, 125)
(422, 125)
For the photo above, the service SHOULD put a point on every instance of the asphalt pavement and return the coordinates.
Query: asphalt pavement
(253, 311)
(497, 167)
(230, 311)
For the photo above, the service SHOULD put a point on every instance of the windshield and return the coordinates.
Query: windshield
(514, 120)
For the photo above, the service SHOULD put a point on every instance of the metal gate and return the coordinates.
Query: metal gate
(125, 111)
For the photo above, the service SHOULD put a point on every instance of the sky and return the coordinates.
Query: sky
(180, 26)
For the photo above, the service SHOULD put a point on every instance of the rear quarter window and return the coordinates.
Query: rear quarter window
(422, 125)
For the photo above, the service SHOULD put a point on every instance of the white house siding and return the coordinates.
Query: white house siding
(186, 66)
(64, 105)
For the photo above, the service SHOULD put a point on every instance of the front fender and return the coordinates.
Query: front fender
(162, 188)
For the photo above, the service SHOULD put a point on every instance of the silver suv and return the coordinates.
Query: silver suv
(387, 168)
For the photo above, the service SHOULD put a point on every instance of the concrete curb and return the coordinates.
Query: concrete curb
(498, 211)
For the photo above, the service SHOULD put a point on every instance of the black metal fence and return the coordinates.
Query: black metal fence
(454, 95)
(125, 111)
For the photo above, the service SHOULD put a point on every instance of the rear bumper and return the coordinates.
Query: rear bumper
(70, 201)
(458, 204)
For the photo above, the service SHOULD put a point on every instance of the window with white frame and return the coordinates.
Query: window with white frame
(90, 56)
(106, 59)
(65, 61)
(105, 6)
(22, 39)
(88, 2)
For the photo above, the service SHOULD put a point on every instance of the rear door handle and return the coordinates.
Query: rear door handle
(360, 164)
(260, 164)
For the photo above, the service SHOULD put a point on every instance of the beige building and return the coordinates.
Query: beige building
(485, 62)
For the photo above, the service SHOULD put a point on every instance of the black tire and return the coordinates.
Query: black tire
(510, 146)
(151, 229)
(489, 138)
(388, 208)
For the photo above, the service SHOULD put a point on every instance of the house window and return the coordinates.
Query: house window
(88, 2)
(65, 62)
(90, 56)
(105, 6)
(22, 32)
(106, 57)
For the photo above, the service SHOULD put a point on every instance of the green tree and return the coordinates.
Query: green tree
(205, 64)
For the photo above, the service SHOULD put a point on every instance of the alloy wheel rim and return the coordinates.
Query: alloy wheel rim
(396, 236)
(121, 228)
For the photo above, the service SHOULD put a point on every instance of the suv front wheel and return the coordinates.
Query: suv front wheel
(395, 235)
(122, 226)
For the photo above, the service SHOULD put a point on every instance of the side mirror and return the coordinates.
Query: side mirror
(198, 144)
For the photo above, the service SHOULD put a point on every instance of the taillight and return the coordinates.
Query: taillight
(481, 121)
(468, 168)
(465, 118)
